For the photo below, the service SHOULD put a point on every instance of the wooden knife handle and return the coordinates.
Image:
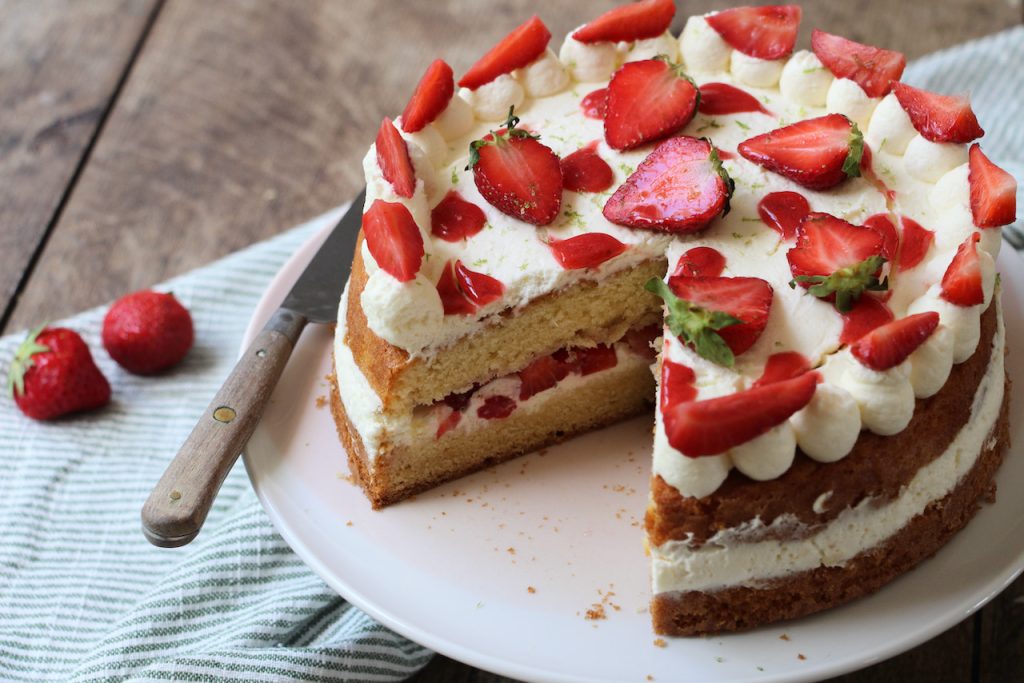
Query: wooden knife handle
(178, 505)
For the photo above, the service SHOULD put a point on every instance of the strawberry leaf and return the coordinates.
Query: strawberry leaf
(846, 283)
(851, 167)
(23, 361)
(695, 325)
(716, 165)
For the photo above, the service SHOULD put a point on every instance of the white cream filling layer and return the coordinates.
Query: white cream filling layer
(719, 563)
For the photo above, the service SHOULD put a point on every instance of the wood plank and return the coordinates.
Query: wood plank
(1000, 655)
(60, 64)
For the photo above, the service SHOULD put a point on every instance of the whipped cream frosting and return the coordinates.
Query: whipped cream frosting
(737, 557)
(927, 183)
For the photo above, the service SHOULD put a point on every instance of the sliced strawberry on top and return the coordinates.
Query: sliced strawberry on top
(595, 104)
(889, 345)
(816, 153)
(722, 98)
(993, 192)
(764, 32)
(527, 42)
(588, 250)
(719, 317)
(585, 171)
(677, 384)
(393, 159)
(517, 174)
(393, 239)
(872, 68)
(917, 240)
(939, 118)
(635, 21)
(961, 283)
(700, 262)
(715, 425)
(881, 224)
(463, 291)
(865, 315)
(430, 98)
(455, 219)
(783, 211)
(782, 366)
(680, 187)
(647, 100)
(835, 260)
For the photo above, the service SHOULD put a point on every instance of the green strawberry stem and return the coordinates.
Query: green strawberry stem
(851, 167)
(23, 361)
(716, 165)
(499, 139)
(846, 283)
(695, 325)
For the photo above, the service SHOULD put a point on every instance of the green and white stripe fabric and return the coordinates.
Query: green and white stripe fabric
(83, 597)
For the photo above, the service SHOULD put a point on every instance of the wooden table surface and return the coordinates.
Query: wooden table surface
(140, 139)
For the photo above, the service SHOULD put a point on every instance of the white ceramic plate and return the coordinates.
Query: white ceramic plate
(500, 569)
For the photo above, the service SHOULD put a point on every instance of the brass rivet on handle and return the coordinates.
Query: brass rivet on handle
(224, 414)
(175, 494)
(262, 353)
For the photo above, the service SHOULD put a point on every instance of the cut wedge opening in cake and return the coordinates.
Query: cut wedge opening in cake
(797, 246)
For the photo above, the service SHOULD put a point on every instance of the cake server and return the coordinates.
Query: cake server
(176, 509)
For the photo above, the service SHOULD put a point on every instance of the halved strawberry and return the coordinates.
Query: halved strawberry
(430, 98)
(917, 240)
(865, 315)
(783, 211)
(816, 153)
(517, 174)
(715, 425)
(939, 118)
(677, 384)
(594, 359)
(993, 192)
(763, 32)
(718, 317)
(588, 250)
(722, 98)
(782, 366)
(835, 260)
(393, 239)
(527, 42)
(635, 21)
(680, 187)
(700, 262)
(648, 100)
(889, 345)
(585, 171)
(961, 283)
(872, 68)
(595, 104)
(463, 290)
(393, 159)
(882, 224)
(538, 376)
(455, 219)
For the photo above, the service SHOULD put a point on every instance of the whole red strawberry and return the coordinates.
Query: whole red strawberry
(147, 332)
(53, 374)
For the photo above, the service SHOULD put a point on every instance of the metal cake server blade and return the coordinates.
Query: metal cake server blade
(177, 507)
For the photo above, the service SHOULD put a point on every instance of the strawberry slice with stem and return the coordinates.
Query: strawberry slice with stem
(680, 187)
(719, 317)
(816, 153)
(872, 68)
(520, 47)
(939, 118)
(635, 21)
(835, 260)
(961, 283)
(430, 98)
(714, 425)
(993, 191)
(647, 101)
(393, 238)
(393, 159)
(517, 174)
(889, 345)
(762, 32)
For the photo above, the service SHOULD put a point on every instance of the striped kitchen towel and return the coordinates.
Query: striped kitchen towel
(83, 597)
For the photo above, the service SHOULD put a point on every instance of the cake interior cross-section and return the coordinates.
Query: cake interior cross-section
(788, 252)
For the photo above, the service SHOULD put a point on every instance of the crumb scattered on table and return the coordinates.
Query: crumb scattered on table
(321, 401)
(660, 642)
(531, 589)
